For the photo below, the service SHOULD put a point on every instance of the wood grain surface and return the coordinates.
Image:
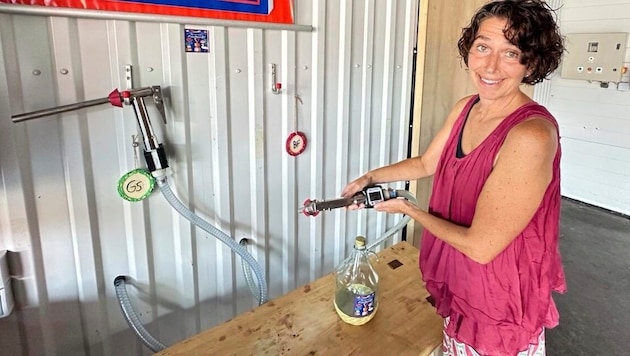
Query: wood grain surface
(304, 321)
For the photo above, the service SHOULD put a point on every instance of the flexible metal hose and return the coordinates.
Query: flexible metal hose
(120, 283)
(247, 272)
(199, 222)
(402, 223)
(249, 264)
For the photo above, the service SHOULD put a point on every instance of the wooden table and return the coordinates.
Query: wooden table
(304, 321)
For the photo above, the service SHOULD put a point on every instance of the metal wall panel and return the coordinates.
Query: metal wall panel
(69, 232)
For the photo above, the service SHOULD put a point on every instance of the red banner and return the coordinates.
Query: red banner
(277, 11)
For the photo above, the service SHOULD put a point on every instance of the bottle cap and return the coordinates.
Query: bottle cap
(359, 241)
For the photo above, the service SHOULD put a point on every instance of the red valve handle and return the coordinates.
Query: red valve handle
(308, 202)
(115, 98)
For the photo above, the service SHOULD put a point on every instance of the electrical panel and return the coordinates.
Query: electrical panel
(594, 56)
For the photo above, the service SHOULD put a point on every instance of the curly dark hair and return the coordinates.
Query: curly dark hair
(531, 26)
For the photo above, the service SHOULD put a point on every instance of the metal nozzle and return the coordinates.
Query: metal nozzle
(313, 207)
(368, 197)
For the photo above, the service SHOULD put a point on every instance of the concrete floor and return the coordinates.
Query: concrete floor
(595, 311)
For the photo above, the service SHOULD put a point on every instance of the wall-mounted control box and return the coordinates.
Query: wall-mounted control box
(594, 56)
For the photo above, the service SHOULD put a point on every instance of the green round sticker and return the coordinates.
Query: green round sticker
(136, 185)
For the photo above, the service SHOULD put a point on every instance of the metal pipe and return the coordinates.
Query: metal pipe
(140, 92)
(140, 109)
(58, 110)
(124, 16)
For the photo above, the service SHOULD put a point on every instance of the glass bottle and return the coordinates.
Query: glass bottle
(357, 286)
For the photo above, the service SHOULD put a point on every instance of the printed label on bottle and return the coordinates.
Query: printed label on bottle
(363, 304)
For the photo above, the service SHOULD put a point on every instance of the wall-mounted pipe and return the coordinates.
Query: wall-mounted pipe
(58, 110)
(114, 98)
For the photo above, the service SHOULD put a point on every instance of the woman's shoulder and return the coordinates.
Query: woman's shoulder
(536, 136)
(535, 117)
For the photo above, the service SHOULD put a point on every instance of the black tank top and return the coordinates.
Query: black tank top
(460, 152)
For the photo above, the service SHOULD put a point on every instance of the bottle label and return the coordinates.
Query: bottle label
(363, 304)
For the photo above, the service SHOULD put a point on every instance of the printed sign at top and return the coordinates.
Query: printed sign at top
(277, 11)
(245, 6)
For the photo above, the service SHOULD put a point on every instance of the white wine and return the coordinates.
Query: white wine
(357, 284)
(356, 301)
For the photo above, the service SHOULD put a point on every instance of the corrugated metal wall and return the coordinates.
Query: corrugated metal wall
(71, 234)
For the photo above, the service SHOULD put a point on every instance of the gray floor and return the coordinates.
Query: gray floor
(595, 311)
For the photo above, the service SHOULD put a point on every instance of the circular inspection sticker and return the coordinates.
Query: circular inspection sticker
(296, 143)
(136, 185)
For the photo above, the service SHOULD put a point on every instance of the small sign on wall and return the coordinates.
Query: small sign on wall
(196, 40)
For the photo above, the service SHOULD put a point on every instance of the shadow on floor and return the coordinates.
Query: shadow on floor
(595, 311)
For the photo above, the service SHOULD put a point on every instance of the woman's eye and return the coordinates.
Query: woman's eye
(512, 54)
(481, 48)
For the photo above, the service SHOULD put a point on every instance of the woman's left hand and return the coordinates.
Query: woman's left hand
(395, 206)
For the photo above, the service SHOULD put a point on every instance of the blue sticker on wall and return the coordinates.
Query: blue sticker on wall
(196, 40)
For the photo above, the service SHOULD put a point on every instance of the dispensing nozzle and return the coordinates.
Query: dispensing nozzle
(369, 197)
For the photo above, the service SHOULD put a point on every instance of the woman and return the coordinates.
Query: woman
(489, 252)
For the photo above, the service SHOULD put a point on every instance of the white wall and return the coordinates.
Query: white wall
(594, 122)
(71, 234)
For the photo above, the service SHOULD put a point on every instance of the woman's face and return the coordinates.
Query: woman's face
(494, 63)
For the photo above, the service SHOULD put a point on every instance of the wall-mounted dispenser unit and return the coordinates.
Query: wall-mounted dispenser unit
(594, 56)
(6, 295)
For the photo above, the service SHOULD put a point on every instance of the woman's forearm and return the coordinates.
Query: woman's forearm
(408, 169)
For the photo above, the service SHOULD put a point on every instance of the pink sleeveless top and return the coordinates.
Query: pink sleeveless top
(497, 308)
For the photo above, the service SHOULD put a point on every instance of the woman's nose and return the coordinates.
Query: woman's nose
(492, 62)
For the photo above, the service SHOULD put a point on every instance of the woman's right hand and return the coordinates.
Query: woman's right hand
(354, 187)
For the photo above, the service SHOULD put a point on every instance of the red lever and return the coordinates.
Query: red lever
(115, 99)
(305, 210)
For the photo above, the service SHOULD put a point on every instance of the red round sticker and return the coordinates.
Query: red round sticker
(296, 143)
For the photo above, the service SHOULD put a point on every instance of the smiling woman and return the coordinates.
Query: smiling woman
(489, 251)
(494, 62)
(532, 31)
